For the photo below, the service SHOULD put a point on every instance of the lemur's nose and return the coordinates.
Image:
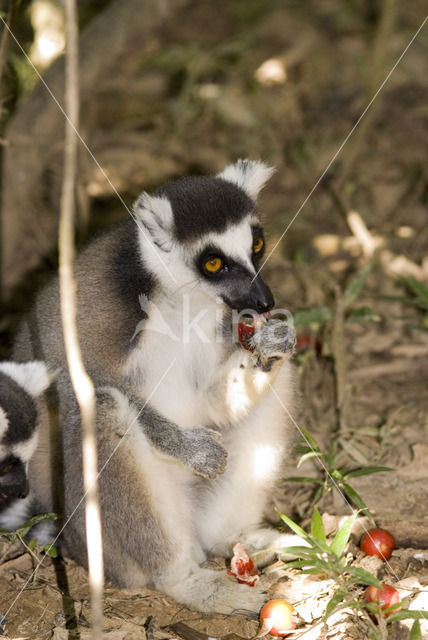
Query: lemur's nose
(262, 306)
(263, 298)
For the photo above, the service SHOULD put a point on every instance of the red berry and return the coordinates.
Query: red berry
(378, 542)
(304, 342)
(245, 332)
(387, 596)
(276, 617)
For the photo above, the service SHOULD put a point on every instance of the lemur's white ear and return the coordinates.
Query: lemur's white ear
(249, 175)
(155, 219)
(33, 376)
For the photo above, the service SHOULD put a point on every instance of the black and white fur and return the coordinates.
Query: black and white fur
(20, 385)
(191, 435)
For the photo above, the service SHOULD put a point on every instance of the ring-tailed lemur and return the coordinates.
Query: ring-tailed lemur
(20, 385)
(191, 433)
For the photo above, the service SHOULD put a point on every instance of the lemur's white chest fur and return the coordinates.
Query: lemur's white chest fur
(183, 344)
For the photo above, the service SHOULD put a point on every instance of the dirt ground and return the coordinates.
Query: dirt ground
(197, 105)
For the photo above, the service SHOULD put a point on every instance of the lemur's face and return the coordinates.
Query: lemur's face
(13, 480)
(227, 265)
(208, 234)
(20, 384)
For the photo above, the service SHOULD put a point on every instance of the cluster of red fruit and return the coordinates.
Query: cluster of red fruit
(276, 616)
(379, 542)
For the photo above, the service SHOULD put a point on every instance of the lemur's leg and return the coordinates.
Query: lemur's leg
(148, 513)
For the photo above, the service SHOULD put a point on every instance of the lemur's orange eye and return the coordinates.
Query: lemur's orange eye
(258, 244)
(213, 265)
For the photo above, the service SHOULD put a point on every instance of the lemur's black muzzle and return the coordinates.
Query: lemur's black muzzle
(252, 295)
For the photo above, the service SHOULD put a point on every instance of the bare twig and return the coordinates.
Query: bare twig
(338, 350)
(4, 44)
(5, 38)
(82, 384)
(383, 35)
(369, 243)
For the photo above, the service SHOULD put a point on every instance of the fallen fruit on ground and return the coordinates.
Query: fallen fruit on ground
(242, 567)
(276, 618)
(378, 542)
(386, 597)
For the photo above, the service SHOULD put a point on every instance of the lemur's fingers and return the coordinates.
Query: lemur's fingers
(274, 339)
(204, 454)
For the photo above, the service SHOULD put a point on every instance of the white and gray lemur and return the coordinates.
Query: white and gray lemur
(20, 385)
(191, 433)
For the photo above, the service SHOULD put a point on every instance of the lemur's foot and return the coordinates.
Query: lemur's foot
(204, 454)
(273, 341)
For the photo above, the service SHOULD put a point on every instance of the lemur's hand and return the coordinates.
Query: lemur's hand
(203, 453)
(273, 341)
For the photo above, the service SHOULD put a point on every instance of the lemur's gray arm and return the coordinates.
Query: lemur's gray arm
(198, 449)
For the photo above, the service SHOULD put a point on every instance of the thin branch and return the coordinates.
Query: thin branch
(82, 384)
(4, 45)
(376, 64)
(339, 356)
(5, 38)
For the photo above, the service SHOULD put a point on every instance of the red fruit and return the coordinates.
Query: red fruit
(378, 542)
(242, 567)
(276, 617)
(245, 332)
(304, 342)
(387, 596)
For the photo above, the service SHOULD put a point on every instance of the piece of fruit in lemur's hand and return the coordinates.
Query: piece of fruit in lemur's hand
(270, 339)
(247, 326)
(20, 384)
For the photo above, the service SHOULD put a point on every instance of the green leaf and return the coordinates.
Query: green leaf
(361, 576)
(316, 315)
(415, 631)
(302, 479)
(341, 538)
(300, 552)
(363, 314)
(317, 527)
(50, 551)
(418, 288)
(360, 605)
(295, 564)
(356, 499)
(319, 493)
(309, 439)
(32, 544)
(355, 286)
(294, 527)
(365, 471)
(31, 522)
(403, 299)
(407, 614)
(308, 456)
(333, 602)
(313, 571)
